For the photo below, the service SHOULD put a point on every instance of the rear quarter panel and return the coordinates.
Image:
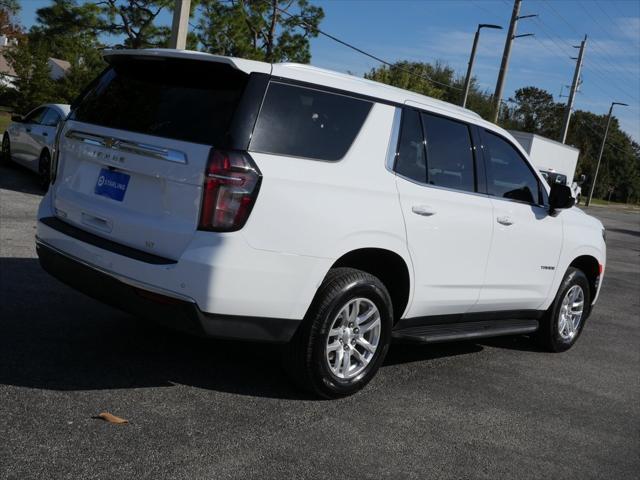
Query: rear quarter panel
(326, 209)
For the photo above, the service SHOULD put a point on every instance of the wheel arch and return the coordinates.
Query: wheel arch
(590, 266)
(388, 266)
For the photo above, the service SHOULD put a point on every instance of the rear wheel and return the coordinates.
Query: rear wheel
(562, 324)
(44, 170)
(5, 157)
(344, 337)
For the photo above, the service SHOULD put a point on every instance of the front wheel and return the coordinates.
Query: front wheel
(344, 337)
(562, 324)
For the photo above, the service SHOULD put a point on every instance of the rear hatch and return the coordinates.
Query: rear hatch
(133, 153)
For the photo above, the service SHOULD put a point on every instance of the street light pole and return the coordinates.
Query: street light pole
(180, 24)
(467, 80)
(604, 141)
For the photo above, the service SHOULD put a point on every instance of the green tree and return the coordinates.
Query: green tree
(536, 111)
(135, 19)
(33, 84)
(434, 80)
(69, 31)
(259, 29)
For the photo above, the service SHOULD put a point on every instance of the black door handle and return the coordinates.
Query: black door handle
(28, 130)
(45, 134)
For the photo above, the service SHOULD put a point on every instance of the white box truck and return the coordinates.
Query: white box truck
(556, 161)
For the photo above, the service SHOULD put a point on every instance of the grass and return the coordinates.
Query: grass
(604, 203)
(5, 120)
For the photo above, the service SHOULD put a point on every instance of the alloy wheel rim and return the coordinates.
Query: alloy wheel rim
(571, 311)
(353, 338)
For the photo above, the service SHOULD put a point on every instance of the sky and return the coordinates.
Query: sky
(430, 30)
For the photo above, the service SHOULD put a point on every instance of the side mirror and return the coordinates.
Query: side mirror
(582, 178)
(17, 118)
(560, 197)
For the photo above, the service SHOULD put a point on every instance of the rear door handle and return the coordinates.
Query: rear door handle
(424, 210)
(505, 221)
(45, 134)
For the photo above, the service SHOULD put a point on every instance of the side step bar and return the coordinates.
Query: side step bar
(447, 332)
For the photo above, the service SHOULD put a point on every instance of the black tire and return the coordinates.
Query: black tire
(44, 170)
(5, 155)
(548, 335)
(305, 357)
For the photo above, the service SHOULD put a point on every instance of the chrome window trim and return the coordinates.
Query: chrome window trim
(439, 187)
(143, 149)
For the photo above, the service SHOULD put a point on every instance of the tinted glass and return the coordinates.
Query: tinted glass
(449, 153)
(182, 99)
(51, 118)
(508, 175)
(304, 122)
(35, 116)
(411, 160)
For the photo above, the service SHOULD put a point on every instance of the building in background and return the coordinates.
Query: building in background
(58, 68)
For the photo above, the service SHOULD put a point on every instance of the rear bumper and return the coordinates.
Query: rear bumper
(178, 313)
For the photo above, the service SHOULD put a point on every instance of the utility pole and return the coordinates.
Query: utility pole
(574, 88)
(604, 141)
(467, 80)
(180, 24)
(504, 66)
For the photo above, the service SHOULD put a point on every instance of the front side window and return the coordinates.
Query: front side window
(449, 153)
(508, 175)
(411, 160)
(51, 118)
(305, 122)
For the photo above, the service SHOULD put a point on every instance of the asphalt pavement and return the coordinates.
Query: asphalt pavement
(211, 409)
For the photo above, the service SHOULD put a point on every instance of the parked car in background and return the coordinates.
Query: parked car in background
(29, 140)
(286, 203)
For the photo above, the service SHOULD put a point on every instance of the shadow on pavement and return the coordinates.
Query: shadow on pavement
(19, 179)
(625, 231)
(52, 337)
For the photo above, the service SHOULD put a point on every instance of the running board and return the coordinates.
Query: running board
(447, 332)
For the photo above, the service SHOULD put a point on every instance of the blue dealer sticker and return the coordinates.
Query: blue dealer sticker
(112, 184)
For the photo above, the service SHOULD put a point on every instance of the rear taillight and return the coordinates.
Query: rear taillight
(230, 189)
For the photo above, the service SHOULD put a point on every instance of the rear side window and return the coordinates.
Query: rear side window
(449, 153)
(508, 175)
(304, 122)
(411, 161)
(187, 100)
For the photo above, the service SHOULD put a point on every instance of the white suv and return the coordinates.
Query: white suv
(290, 204)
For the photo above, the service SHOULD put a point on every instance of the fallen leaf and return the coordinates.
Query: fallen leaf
(107, 417)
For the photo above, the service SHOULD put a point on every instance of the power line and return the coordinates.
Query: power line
(302, 22)
(590, 64)
(598, 51)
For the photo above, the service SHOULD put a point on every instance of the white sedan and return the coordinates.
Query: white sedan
(29, 139)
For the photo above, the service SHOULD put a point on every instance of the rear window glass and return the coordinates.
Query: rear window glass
(304, 122)
(182, 99)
